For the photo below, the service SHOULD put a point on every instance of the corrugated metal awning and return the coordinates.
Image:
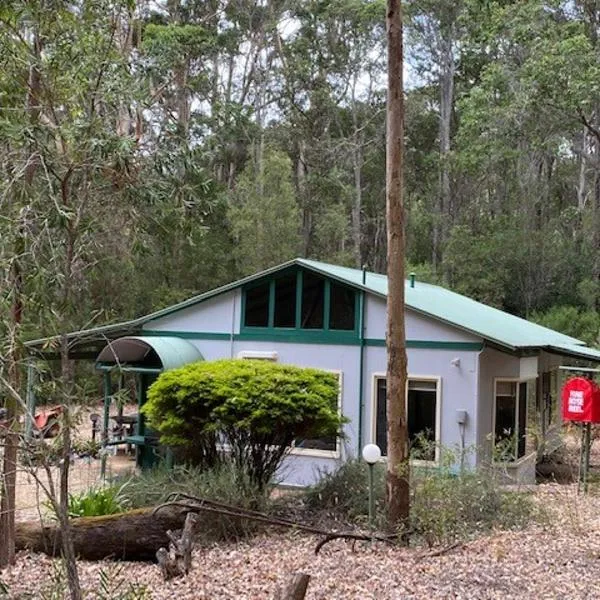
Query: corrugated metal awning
(155, 351)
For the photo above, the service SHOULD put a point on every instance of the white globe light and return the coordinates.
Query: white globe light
(371, 453)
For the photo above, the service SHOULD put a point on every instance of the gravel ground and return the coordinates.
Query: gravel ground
(558, 560)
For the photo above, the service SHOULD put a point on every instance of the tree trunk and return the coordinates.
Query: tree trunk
(136, 535)
(11, 439)
(397, 498)
(444, 208)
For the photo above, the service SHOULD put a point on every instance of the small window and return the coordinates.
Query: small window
(342, 309)
(421, 407)
(313, 301)
(285, 301)
(510, 420)
(257, 306)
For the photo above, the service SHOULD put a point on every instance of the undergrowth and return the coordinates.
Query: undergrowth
(446, 506)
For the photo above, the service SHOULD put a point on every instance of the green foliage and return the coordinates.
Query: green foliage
(225, 483)
(345, 490)
(265, 190)
(108, 500)
(583, 324)
(445, 505)
(259, 407)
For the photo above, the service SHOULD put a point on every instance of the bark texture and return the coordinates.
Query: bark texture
(136, 535)
(397, 497)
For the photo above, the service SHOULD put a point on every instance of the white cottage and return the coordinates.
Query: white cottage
(478, 377)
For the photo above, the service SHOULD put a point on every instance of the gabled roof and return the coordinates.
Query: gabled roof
(491, 324)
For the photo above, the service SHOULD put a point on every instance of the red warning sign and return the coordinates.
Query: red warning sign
(581, 400)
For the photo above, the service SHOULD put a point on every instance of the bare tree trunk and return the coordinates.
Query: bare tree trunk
(11, 439)
(397, 497)
(306, 210)
(444, 198)
(68, 549)
(357, 206)
(9, 466)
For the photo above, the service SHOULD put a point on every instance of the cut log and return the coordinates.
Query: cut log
(295, 589)
(135, 535)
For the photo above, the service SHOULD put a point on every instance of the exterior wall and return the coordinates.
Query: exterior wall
(220, 314)
(213, 327)
(492, 364)
(458, 390)
(418, 327)
(495, 364)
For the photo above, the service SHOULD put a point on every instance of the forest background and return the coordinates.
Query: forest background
(153, 150)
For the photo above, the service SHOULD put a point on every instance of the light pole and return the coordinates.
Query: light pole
(371, 453)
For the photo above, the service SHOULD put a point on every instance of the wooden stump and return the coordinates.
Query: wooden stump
(295, 589)
(177, 560)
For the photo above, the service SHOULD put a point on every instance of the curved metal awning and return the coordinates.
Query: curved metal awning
(155, 352)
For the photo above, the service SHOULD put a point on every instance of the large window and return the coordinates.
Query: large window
(300, 300)
(422, 406)
(510, 419)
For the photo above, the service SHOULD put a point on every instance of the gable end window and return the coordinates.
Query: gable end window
(300, 300)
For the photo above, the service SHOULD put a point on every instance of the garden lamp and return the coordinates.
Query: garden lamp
(371, 453)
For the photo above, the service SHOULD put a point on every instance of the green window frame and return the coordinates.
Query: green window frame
(325, 332)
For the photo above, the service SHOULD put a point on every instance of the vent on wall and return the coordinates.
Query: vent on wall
(258, 355)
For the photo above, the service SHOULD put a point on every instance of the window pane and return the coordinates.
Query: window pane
(285, 301)
(506, 414)
(257, 306)
(313, 300)
(341, 310)
(421, 419)
(327, 443)
(422, 386)
(381, 416)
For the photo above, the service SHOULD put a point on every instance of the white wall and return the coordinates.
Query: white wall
(215, 315)
(458, 388)
(418, 327)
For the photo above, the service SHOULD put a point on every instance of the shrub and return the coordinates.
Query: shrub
(96, 502)
(257, 407)
(224, 483)
(345, 491)
(445, 506)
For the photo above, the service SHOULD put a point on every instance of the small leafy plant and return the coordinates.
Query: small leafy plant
(108, 500)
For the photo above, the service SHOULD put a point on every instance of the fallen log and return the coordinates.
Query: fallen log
(134, 536)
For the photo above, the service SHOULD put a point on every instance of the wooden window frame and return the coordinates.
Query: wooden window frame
(438, 412)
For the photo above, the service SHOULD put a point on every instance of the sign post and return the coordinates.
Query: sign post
(581, 404)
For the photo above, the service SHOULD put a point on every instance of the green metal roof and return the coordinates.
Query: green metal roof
(490, 324)
(443, 305)
(172, 351)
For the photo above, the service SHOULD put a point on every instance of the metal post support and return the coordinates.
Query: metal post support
(581, 459)
(588, 443)
(30, 399)
(106, 416)
(371, 497)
